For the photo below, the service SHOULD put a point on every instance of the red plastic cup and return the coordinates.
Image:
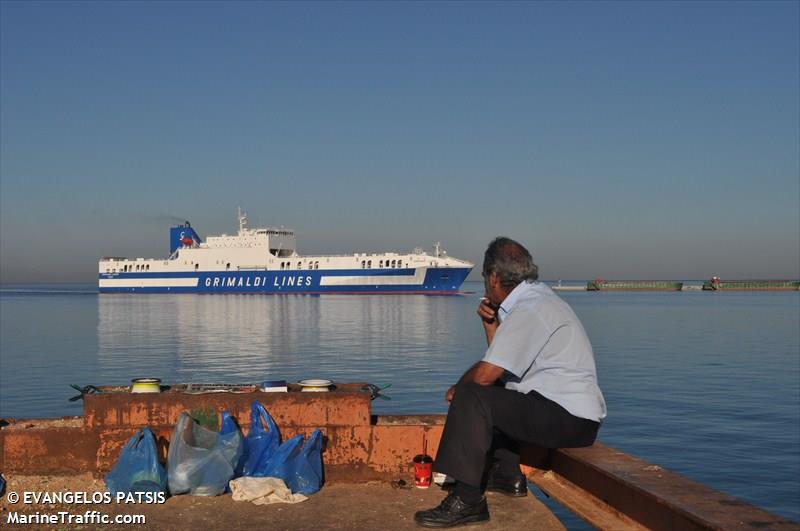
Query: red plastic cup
(423, 470)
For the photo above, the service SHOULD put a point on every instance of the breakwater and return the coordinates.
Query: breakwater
(713, 284)
(717, 284)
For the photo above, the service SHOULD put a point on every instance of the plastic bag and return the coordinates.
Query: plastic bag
(201, 461)
(261, 443)
(298, 464)
(281, 464)
(137, 469)
(229, 426)
(2, 485)
(306, 477)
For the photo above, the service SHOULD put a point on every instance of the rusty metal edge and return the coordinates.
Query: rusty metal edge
(655, 497)
(582, 503)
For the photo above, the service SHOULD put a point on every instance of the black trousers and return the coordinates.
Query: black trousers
(481, 416)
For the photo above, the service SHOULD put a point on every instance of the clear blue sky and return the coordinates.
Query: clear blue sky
(621, 140)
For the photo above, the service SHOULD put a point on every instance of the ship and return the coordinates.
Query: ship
(265, 260)
(633, 285)
(717, 284)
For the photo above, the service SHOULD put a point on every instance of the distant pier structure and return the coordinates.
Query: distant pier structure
(717, 284)
(571, 287)
(633, 285)
(713, 284)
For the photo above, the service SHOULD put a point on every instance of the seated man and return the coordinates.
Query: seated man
(536, 385)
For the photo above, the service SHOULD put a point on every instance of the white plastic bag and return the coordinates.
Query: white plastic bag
(201, 461)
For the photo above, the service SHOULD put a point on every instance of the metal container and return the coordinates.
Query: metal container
(146, 385)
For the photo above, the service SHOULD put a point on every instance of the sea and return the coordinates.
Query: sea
(705, 384)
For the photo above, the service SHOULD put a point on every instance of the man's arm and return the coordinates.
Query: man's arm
(482, 373)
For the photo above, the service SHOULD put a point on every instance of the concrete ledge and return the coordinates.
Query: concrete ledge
(345, 406)
(381, 452)
(58, 446)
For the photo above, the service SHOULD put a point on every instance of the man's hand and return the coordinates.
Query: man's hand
(448, 396)
(487, 312)
(488, 315)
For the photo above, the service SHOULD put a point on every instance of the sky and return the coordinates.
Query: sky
(622, 140)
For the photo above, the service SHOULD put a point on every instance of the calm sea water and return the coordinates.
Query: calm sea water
(705, 384)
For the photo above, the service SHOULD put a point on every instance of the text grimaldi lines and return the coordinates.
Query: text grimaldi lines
(258, 281)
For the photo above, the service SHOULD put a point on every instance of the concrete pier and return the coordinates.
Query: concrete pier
(339, 506)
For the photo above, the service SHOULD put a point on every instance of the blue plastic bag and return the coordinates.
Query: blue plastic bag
(298, 465)
(138, 469)
(201, 461)
(2, 485)
(229, 426)
(261, 443)
(306, 477)
(281, 464)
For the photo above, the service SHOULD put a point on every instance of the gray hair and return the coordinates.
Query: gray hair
(510, 261)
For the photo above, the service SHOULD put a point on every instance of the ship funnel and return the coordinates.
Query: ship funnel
(181, 236)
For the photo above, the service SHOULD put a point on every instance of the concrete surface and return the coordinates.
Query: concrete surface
(335, 507)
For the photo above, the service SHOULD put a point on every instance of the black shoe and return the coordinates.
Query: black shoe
(452, 512)
(516, 485)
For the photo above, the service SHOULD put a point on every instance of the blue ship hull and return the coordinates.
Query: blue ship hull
(437, 281)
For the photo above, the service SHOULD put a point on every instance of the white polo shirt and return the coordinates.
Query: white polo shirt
(543, 347)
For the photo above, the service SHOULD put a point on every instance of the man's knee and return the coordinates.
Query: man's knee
(468, 391)
(474, 398)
